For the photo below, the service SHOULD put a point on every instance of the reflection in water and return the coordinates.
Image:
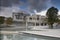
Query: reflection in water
(1, 36)
(24, 37)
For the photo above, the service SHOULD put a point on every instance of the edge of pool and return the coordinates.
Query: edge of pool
(49, 33)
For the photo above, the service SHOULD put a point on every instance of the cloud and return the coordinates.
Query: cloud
(8, 3)
(59, 12)
(7, 11)
(8, 6)
(41, 13)
(38, 5)
(44, 12)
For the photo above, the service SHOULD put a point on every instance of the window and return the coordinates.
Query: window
(45, 24)
(30, 18)
(37, 18)
(41, 24)
(37, 24)
(24, 18)
(17, 16)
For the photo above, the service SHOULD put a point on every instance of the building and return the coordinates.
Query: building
(36, 20)
(19, 18)
(24, 19)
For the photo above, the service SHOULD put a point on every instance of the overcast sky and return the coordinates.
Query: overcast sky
(30, 6)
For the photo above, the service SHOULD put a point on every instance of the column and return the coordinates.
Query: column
(26, 26)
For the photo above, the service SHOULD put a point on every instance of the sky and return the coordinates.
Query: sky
(40, 7)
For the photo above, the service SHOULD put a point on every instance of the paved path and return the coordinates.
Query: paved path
(45, 32)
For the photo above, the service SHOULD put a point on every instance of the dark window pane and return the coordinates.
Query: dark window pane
(41, 24)
(37, 24)
(45, 24)
(37, 18)
(17, 16)
(30, 18)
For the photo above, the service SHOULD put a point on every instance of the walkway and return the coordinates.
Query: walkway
(46, 32)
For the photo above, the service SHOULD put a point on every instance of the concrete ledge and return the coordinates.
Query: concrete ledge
(43, 32)
(48, 32)
(9, 32)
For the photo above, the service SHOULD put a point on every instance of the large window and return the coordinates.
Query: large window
(37, 24)
(17, 17)
(41, 24)
(30, 18)
(37, 18)
(45, 24)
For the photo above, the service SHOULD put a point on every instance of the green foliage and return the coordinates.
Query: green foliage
(52, 15)
(2, 19)
(9, 21)
(58, 21)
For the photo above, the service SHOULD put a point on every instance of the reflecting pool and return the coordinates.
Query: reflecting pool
(25, 37)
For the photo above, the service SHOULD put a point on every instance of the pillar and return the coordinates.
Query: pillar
(26, 26)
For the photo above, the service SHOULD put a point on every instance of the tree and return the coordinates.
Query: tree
(9, 21)
(52, 16)
(2, 19)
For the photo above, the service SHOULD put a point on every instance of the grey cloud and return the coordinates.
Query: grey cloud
(7, 11)
(39, 5)
(8, 3)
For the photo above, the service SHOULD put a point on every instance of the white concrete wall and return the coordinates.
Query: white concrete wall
(38, 27)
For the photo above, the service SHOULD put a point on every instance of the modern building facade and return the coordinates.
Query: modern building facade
(23, 19)
(19, 18)
(36, 20)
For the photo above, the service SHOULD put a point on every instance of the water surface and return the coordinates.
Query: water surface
(25, 37)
